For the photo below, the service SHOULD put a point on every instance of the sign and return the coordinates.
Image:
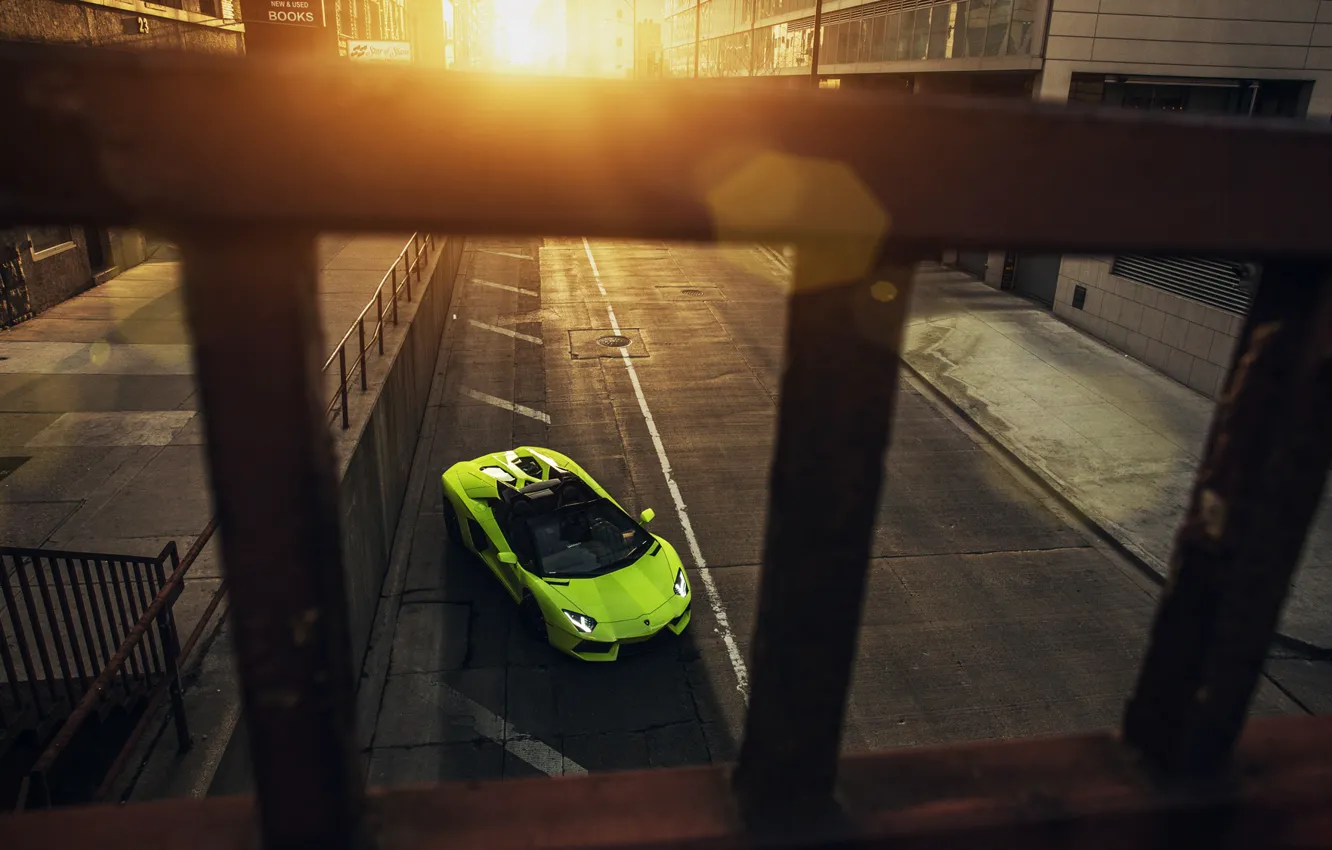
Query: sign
(300, 13)
(359, 50)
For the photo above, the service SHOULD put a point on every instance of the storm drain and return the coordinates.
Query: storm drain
(589, 343)
(690, 293)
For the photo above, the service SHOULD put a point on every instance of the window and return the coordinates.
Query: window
(1001, 11)
(940, 31)
(891, 25)
(978, 19)
(920, 36)
(872, 49)
(904, 34)
(1019, 32)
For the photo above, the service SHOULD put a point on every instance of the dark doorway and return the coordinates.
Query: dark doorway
(1036, 276)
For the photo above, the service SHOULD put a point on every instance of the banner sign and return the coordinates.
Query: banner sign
(379, 51)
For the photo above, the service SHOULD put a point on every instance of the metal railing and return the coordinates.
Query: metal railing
(866, 183)
(398, 283)
(82, 626)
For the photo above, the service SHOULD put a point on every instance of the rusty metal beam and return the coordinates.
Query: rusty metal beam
(1260, 482)
(842, 346)
(152, 138)
(250, 298)
(1084, 792)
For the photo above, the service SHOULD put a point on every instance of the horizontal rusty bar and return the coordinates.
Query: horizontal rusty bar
(157, 138)
(1083, 792)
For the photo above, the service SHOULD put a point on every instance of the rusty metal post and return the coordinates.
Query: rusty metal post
(342, 384)
(837, 396)
(360, 335)
(1258, 486)
(166, 627)
(379, 311)
(394, 293)
(289, 607)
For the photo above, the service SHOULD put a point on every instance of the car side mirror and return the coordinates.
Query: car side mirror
(646, 516)
(508, 558)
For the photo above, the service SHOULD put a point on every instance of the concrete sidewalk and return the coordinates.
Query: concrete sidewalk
(101, 447)
(1118, 439)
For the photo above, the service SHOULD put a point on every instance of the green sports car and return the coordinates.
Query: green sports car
(586, 576)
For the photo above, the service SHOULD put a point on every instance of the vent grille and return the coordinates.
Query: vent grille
(1217, 283)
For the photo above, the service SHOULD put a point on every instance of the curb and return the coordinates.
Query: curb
(1140, 560)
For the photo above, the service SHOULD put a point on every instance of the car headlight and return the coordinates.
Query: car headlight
(681, 586)
(581, 622)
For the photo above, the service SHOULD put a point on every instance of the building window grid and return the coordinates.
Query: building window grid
(951, 30)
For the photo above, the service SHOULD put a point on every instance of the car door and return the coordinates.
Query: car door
(488, 548)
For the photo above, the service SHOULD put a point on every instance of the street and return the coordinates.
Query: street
(990, 612)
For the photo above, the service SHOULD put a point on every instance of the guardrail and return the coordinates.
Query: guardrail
(145, 657)
(419, 247)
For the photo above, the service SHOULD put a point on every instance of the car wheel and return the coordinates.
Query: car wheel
(534, 622)
(451, 523)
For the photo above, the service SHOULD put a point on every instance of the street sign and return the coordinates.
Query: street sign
(359, 50)
(299, 13)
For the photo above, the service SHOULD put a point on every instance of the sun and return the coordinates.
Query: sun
(517, 39)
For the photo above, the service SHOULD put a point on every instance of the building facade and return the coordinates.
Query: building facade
(600, 37)
(1267, 59)
(42, 266)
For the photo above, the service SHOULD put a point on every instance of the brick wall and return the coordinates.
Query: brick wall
(1189, 341)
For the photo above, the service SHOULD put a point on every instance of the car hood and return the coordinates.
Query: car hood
(628, 593)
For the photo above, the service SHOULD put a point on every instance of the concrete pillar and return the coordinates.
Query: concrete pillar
(994, 269)
(1053, 82)
(1320, 101)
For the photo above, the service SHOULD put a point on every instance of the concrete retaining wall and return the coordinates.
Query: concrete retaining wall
(374, 473)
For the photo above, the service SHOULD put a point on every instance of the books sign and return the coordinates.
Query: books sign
(379, 51)
(301, 13)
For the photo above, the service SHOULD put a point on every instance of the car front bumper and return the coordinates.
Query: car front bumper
(604, 643)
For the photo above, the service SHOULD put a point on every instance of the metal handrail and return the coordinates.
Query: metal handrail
(159, 610)
(421, 246)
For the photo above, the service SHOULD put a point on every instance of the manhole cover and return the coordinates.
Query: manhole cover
(694, 292)
(613, 341)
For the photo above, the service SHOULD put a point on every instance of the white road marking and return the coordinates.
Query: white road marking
(709, 586)
(504, 286)
(596, 275)
(504, 254)
(506, 404)
(524, 337)
(487, 724)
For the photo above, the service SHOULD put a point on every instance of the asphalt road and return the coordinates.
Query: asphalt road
(990, 614)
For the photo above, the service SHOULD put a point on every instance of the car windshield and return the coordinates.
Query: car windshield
(586, 540)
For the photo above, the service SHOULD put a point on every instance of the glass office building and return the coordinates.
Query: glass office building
(735, 38)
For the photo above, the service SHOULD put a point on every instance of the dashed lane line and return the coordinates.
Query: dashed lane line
(596, 274)
(533, 750)
(709, 586)
(493, 285)
(506, 404)
(535, 340)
